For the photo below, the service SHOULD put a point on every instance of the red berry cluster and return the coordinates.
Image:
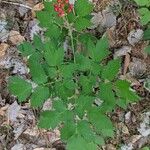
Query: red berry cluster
(63, 7)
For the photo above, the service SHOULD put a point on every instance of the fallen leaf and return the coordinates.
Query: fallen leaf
(15, 38)
(126, 63)
(13, 111)
(37, 7)
(3, 48)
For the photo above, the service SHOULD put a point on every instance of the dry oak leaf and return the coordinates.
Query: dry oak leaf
(37, 7)
(15, 37)
(3, 48)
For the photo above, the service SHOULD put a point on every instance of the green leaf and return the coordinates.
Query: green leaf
(26, 49)
(100, 121)
(82, 23)
(146, 34)
(111, 70)
(76, 142)
(85, 130)
(39, 95)
(145, 19)
(107, 96)
(87, 83)
(37, 42)
(54, 57)
(83, 104)
(143, 2)
(45, 18)
(123, 91)
(49, 119)
(53, 31)
(67, 131)
(99, 52)
(59, 106)
(84, 63)
(20, 88)
(37, 71)
(83, 7)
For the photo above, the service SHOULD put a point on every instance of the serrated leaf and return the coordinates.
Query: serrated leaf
(67, 131)
(20, 88)
(49, 119)
(111, 70)
(44, 17)
(54, 57)
(100, 51)
(123, 91)
(59, 106)
(53, 31)
(83, 103)
(107, 96)
(76, 142)
(143, 2)
(82, 23)
(87, 83)
(99, 120)
(83, 7)
(146, 34)
(85, 131)
(84, 63)
(37, 42)
(26, 49)
(39, 95)
(37, 71)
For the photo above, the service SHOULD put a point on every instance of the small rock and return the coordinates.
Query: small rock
(32, 132)
(137, 68)
(15, 38)
(135, 36)
(3, 48)
(144, 128)
(123, 128)
(4, 33)
(110, 147)
(103, 20)
(13, 111)
(18, 147)
(127, 147)
(122, 51)
(128, 117)
(23, 11)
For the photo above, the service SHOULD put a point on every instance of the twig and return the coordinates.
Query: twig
(17, 4)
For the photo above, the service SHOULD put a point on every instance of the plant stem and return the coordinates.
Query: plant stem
(71, 37)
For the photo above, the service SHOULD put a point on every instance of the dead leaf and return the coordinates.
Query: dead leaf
(15, 38)
(13, 111)
(37, 7)
(126, 63)
(3, 48)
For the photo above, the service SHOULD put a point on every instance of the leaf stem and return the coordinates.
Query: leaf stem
(71, 36)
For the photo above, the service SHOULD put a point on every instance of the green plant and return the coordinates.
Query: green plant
(83, 88)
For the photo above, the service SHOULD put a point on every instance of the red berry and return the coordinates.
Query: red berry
(59, 1)
(66, 1)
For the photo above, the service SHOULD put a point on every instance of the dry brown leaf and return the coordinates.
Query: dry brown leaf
(37, 7)
(15, 38)
(126, 63)
(3, 48)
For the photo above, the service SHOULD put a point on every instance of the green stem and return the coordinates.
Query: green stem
(71, 37)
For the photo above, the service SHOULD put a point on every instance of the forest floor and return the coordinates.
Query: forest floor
(18, 129)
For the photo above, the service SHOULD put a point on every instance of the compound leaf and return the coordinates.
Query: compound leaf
(20, 88)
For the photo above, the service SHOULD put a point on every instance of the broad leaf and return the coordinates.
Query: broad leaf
(83, 7)
(111, 70)
(20, 88)
(39, 95)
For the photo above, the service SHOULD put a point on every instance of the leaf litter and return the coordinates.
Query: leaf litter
(133, 126)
